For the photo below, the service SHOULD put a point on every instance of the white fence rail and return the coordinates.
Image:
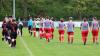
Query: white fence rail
(77, 23)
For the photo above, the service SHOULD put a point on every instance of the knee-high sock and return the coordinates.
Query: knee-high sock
(34, 33)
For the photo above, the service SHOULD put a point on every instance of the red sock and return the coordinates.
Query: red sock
(40, 35)
(34, 34)
(46, 37)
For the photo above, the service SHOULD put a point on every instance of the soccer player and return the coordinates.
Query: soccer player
(52, 28)
(20, 27)
(95, 30)
(30, 25)
(41, 28)
(13, 33)
(47, 29)
(61, 30)
(34, 27)
(4, 31)
(9, 23)
(37, 27)
(84, 30)
(70, 30)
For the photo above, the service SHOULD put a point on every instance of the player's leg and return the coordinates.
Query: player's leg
(68, 37)
(6, 34)
(72, 37)
(52, 30)
(59, 35)
(37, 32)
(3, 36)
(13, 43)
(62, 35)
(29, 27)
(93, 36)
(31, 31)
(21, 30)
(96, 37)
(83, 37)
(49, 34)
(34, 32)
(46, 35)
(86, 34)
(40, 33)
(9, 37)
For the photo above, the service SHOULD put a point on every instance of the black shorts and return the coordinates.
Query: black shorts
(13, 35)
(29, 27)
(5, 33)
(37, 29)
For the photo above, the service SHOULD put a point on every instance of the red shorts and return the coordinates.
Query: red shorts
(52, 30)
(61, 32)
(47, 30)
(34, 29)
(48, 35)
(41, 29)
(84, 33)
(70, 33)
(95, 32)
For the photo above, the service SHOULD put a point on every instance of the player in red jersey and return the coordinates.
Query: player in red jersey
(61, 30)
(70, 30)
(34, 28)
(85, 30)
(95, 30)
(41, 28)
(52, 28)
(47, 29)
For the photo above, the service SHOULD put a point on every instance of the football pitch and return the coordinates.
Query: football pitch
(33, 46)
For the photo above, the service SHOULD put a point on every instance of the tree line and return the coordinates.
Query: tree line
(52, 8)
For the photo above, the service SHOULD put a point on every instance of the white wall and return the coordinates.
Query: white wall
(0, 24)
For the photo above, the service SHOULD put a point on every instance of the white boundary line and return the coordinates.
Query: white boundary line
(26, 46)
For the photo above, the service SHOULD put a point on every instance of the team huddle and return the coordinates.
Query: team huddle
(44, 28)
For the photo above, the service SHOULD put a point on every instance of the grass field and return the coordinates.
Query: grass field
(31, 46)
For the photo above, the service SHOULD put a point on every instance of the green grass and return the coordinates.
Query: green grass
(54, 48)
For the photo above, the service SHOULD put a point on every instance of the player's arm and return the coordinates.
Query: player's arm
(98, 26)
(91, 27)
(66, 27)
